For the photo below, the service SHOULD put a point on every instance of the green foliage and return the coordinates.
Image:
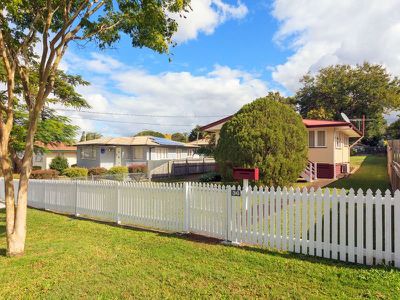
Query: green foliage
(90, 136)
(210, 177)
(97, 171)
(142, 168)
(319, 114)
(118, 170)
(266, 134)
(393, 131)
(365, 89)
(151, 133)
(75, 172)
(179, 137)
(59, 163)
(44, 174)
(196, 133)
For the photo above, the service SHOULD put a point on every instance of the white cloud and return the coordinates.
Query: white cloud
(205, 17)
(219, 92)
(336, 31)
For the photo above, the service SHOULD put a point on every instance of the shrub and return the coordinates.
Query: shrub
(75, 172)
(59, 163)
(35, 168)
(142, 168)
(44, 174)
(118, 170)
(97, 171)
(210, 177)
(267, 134)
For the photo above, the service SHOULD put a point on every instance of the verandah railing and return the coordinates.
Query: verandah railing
(348, 226)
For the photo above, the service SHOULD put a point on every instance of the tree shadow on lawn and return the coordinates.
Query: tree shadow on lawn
(248, 248)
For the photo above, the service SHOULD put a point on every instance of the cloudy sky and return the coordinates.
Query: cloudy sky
(229, 52)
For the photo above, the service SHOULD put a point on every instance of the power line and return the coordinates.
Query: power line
(128, 122)
(137, 115)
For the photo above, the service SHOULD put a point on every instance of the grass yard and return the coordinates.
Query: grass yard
(70, 258)
(372, 174)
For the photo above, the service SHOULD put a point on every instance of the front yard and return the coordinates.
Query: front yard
(70, 258)
(372, 174)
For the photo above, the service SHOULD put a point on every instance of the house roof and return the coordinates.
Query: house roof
(135, 141)
(56, 146)
(309, 123)
(200, 142)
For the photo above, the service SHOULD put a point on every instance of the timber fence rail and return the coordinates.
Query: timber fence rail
(344, 225)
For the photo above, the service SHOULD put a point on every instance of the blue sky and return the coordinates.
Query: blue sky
(229, 53)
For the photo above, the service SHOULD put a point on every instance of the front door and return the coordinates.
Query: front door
(118, 156)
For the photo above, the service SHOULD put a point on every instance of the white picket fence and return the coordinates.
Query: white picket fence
(360, 228)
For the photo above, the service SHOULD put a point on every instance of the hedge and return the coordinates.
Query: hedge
(76, 172)
(44, 174)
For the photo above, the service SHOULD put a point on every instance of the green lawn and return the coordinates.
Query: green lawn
(69, 258)
(372, 174)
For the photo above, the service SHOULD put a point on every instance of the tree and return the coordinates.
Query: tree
(151, 133)
(393, 131)
(59, 163)
(179, 137)
(266, 134)
(54, 25)
(90, 136)
(365, 89)
(196, 133)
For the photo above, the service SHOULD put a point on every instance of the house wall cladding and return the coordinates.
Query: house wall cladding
(349, 226)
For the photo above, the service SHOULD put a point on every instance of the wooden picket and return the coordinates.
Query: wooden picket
(343, 225)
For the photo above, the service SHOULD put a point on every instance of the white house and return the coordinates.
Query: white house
(125, 151)
(42, 159)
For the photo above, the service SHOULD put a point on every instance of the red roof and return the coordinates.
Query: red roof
(307, 122)
(56, 146)
(323, 123)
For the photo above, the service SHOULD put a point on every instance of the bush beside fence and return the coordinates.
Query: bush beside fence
(347, 226)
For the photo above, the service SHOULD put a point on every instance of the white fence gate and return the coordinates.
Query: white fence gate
(348, 226)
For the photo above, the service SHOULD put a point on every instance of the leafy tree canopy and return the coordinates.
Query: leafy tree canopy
(87, 136)
(151, 133)
(366, 89)
(179, 137)
(196, 133)
(393, 131)
(266, 134)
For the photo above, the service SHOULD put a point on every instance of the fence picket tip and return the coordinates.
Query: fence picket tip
(360, 192)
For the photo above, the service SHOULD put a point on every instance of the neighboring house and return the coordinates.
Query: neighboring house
(42, 159)
(125, 151)
(200, 143)
(328, 146)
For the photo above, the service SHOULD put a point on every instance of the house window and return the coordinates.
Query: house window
(38, 157)
(317, 139)
(338, 140)
(311, 139)
(346, 140)
(137, 152)
(88, 152)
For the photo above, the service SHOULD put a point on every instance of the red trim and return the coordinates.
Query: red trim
(205, 127)
(309, 123)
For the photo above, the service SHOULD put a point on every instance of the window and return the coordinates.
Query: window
(38, 157)
(311, 139)
(346, 140)
(316, 139)
(338, 140)
(88, 152)
(137, 152)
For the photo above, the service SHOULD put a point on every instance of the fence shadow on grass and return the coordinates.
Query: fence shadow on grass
(217, 242)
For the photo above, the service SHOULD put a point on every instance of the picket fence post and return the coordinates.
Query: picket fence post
(187, 190)
(228, 227)
(76, 198)
(397, 229)
(118, 203)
